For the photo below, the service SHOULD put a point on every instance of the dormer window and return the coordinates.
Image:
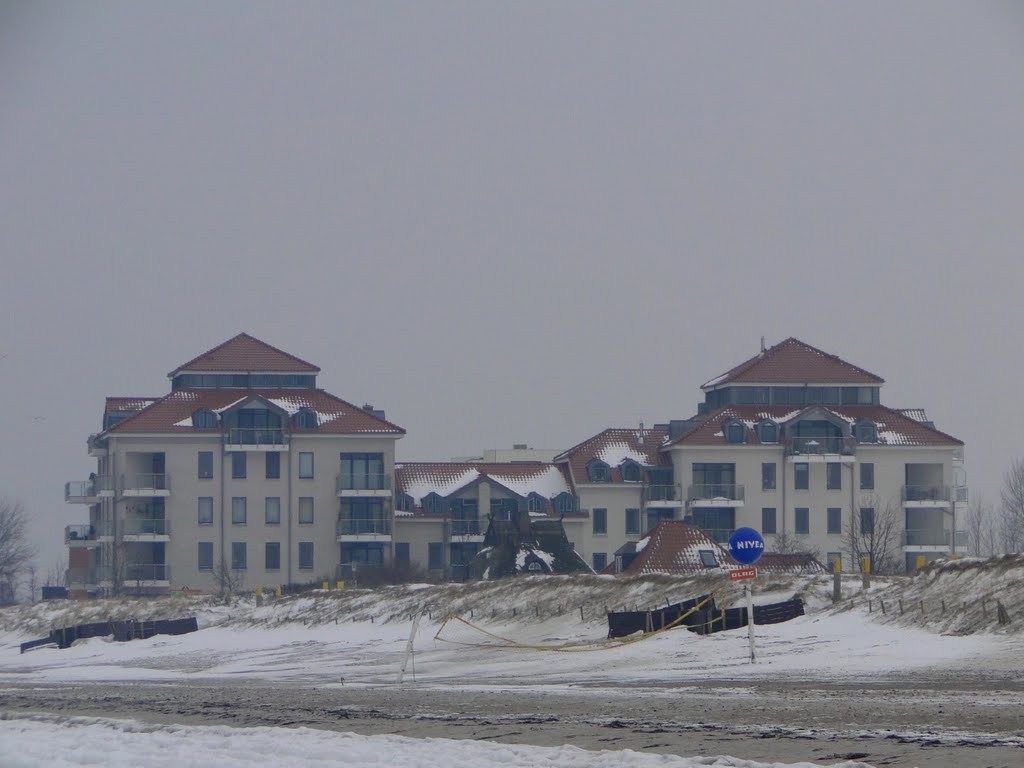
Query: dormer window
(403, 502)
(565, 502)
(536, 503)
(768, 431)
(598, 471)
(631, 471)
(306, 419)
(865, 431)
(433, 503)
(204, 418)
(735, 432)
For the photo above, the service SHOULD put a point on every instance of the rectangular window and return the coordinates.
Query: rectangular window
(206, 510)
(238, 465)
(801, 476)
(867, 520)
(272, 556)
(238, 556)
(272, 510)
(768, 476)
(402, 552)
(867, 476)
(273, 466)
(361, 471)
(632, 521)
(238, 511)
(835, 520)
(802, 520)
(306, 466)
(600, 561)
(305, 510)
(600, 520)
(305, 555)
(205, 555)
(833, 476)
(435, 555)
(768, 520)
(835, 561)
(205, 465)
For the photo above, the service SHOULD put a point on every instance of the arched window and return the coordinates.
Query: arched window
(631, 472)
(204, 418)
(306, 418)
(597, 471)
(768, 431)
(735, 432)
(433, 502)
(565, 502)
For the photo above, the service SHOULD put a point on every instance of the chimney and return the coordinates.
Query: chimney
(763, 347)
(368, 407)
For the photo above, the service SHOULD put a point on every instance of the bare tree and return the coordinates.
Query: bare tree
(31, 573)
(227, 579)
(57, 573)
(787, 544)
(980, 524)
(16, 552)
(873, 530)
(1011, 523)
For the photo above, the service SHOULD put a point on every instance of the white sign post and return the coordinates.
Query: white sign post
(746, 545)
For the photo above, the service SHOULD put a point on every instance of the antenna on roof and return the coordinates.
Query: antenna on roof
(763, 348)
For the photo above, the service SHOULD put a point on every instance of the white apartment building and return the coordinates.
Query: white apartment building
(793, 442)
(243, 470)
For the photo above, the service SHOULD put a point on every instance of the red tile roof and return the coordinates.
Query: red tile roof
(127, 403)
(172, 413)
(613, 446)
(794, 362)
(894, 427)
(244, 354)
(419, 479)
(673, 546)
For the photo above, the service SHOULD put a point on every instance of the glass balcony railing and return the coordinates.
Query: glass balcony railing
(363, 482)
(255, 436)
(146, 572)
(79, 533)
(934, 537)
(146, 481)
(720, 535)
(465, 527)
(355, 526)
(926, 493)
(87, 489)
(816, 446)
(144, 526)
(662, 492)
(729, 491)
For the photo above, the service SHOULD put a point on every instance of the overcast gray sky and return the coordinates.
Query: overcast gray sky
(506, 222)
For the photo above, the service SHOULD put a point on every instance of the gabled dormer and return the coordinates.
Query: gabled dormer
(204, 418)
(767, 431)
(631, 471)
(865, 431)
(433, 503)
(305, 418)
(734, 431)
(535, 503)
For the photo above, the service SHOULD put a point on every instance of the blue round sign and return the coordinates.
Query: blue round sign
(746, 545)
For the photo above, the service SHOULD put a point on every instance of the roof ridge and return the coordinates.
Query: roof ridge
(247, 337)
(767, 354)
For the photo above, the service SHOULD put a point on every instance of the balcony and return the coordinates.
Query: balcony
(818, 448)
(363, 485)
(466, 528)
(97, 446)
(259, 439)
(89, 575)
(926, 495)
(145, 529)
(146, 572)
(80, 536)
(363, 528)
(934, 538)
(88, 491)
(715, 495)
(149, 484)
(663, 496)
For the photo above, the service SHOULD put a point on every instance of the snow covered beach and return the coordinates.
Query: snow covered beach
(828, 687)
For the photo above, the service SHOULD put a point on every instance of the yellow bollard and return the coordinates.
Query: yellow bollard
(837, 564)
(277, 591)
(259, 590)
(325, 585)
(919, 561)
(865, 564)
(339, 584)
